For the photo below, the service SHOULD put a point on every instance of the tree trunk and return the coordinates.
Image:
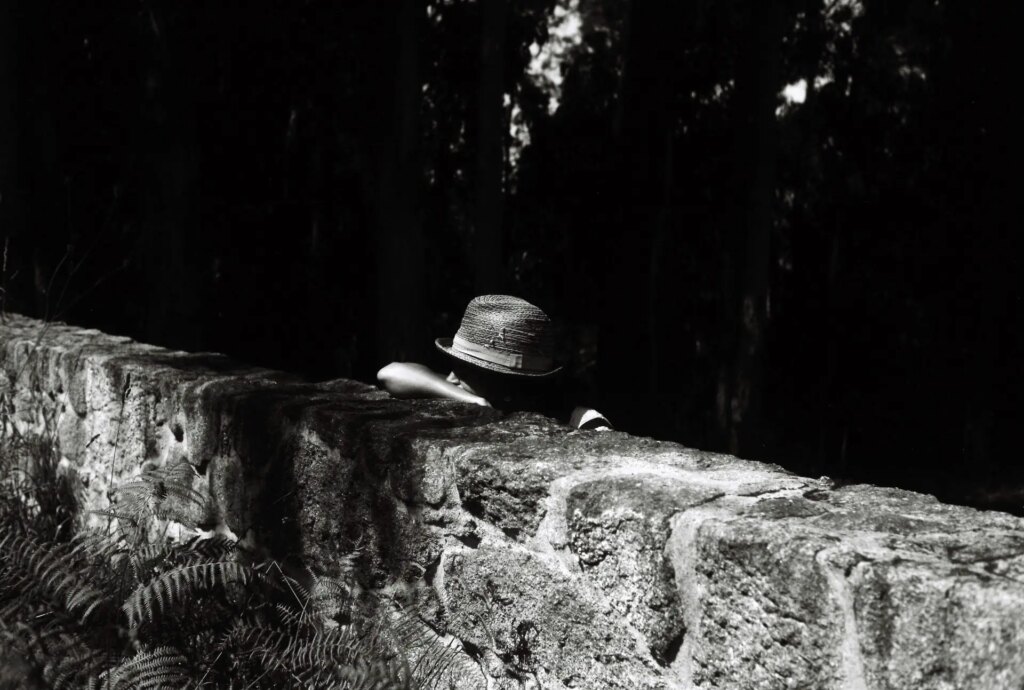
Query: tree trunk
(399, 243)
(43, 198)
(757, 90)
(169, 156)
(488, 240)
(8, 134)
(980, 417)
(629, 357)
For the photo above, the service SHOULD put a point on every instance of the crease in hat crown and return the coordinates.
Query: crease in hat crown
(504, 334)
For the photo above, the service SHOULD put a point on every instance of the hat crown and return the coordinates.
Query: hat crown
(507, 324)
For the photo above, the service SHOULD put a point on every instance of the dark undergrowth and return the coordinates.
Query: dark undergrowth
(125, 606)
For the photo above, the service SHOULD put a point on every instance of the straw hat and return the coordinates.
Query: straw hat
(504, 334)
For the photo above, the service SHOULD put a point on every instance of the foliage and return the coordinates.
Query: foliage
(114, 609)
(36, 496)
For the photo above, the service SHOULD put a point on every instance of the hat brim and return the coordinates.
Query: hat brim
(445, 346)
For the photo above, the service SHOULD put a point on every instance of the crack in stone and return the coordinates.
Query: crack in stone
(852, 660)
(699, 504)
(770, 492)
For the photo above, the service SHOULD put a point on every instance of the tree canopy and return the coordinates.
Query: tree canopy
(782, 230)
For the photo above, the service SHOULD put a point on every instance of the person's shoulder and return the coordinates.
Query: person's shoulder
(589, 419)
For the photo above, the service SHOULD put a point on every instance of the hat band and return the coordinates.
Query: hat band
(505, 359)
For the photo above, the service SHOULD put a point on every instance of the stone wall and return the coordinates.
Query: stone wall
(558, 558)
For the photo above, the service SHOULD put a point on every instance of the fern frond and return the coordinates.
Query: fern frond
(73, 670)
(95, 547)
(35, 569)
(217, 547)
(346, 566)
(433, 656)
(138, 491)
(329, 596)
(282, 649)
(324, 648)
(54, 654)
(318, 602)
(381, 675)
(149, 552)
(178, 472)
(166, 493)
(170, 510)
(175, 586)
(163, 667)
(181, 490)
(299, 619)
(145, 559)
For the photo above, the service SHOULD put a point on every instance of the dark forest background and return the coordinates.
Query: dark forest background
(786, 229)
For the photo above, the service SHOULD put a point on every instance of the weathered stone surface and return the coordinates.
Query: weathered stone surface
(503, 599)
(554, 558)
(617, 530)
(861, 587)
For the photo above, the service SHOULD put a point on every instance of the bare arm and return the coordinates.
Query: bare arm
(589, 419)
(411, 380)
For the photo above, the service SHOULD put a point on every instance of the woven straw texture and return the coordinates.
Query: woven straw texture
(508, 329)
